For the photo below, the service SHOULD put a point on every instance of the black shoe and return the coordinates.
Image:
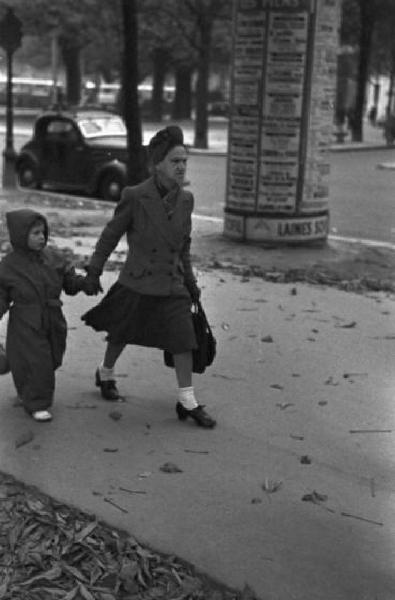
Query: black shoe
(198, 414)
(108, 388)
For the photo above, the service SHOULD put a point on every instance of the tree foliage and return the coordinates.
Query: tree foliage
(368, 24)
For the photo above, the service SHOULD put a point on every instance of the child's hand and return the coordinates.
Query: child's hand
(91, 285)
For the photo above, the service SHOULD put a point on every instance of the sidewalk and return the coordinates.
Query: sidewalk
(301, 371)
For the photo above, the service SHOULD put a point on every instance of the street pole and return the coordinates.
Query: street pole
(9, 154)
(54, 66)
(10, 40)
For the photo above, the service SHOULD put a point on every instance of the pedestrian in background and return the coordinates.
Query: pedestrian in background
(150, 304)
(32, 278)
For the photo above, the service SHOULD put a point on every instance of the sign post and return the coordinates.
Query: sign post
(281, 119)
(10, 40)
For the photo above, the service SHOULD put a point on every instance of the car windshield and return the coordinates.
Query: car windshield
(101, 126)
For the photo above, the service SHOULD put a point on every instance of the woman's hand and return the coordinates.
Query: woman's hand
(91, 285)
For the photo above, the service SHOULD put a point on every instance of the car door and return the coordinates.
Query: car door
(52, 166)
(65, 155)
(78, 159)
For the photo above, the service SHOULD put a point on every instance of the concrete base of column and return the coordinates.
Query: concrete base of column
(284, 229)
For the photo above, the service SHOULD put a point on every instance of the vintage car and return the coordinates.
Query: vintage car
(82, 151)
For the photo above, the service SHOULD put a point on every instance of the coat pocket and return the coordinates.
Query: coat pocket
(137, 271)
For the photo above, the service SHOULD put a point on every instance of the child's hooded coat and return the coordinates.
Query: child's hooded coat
(31, 283)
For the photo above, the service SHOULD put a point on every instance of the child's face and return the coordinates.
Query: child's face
(36, 237)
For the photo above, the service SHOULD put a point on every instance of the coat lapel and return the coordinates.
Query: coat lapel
(152, 203)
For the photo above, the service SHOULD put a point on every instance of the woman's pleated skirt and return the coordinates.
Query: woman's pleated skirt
(128, 317)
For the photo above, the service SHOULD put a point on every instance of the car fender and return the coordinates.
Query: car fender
(114, 165)
(29, 155)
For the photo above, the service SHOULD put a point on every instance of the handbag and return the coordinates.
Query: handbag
(4, 365)
(203, 356)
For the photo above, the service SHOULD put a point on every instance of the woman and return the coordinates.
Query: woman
(150, 304)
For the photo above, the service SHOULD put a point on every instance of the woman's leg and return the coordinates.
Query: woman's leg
(112, 353)
(183, 367)
(187, 405)
(105, 373)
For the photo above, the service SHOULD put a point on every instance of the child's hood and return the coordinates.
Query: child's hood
(19, 223)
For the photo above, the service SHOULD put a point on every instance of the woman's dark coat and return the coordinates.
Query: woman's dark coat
(30, 287)
(158, 262)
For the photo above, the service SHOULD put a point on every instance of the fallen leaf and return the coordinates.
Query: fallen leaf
(349, 375)
(315, 497)
(85, 593)
(347, 325)
(284, 405)
(268, 339)
(81, 535)
(271, 486)
(277, 386)
(24, 438)
(305, 460)
(71, 595)
(170, 467)
(127, 575)
(115, 415)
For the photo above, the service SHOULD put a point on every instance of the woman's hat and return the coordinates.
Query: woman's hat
(163, 142)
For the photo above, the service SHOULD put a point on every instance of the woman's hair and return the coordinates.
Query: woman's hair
(163, 141)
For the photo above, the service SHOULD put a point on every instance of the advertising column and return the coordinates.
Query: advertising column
(281, 119)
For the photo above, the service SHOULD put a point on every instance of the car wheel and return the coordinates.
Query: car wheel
(110, 187)
(27, 174)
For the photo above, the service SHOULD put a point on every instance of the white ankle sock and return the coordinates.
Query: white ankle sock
(186, 397)
(105, 373)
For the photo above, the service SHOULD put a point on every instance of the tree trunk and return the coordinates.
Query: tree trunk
(72, 64)
(201, 122)
(158, 82)
(182, 105)
(365, 44)
(137, 169)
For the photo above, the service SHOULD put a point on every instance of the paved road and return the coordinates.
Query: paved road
(362, 196)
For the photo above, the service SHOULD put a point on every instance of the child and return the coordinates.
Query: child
(32, 278)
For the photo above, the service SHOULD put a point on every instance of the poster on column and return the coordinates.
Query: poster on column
(321, 116)
(282, 109)
(250, 28)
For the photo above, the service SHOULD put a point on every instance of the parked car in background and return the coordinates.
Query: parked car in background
(82, 151)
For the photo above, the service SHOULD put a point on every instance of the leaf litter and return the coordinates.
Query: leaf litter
(49, 550)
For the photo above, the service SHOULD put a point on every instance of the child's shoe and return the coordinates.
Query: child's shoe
(42, 415)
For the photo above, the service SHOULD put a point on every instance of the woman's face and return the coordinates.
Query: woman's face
(174, 165)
